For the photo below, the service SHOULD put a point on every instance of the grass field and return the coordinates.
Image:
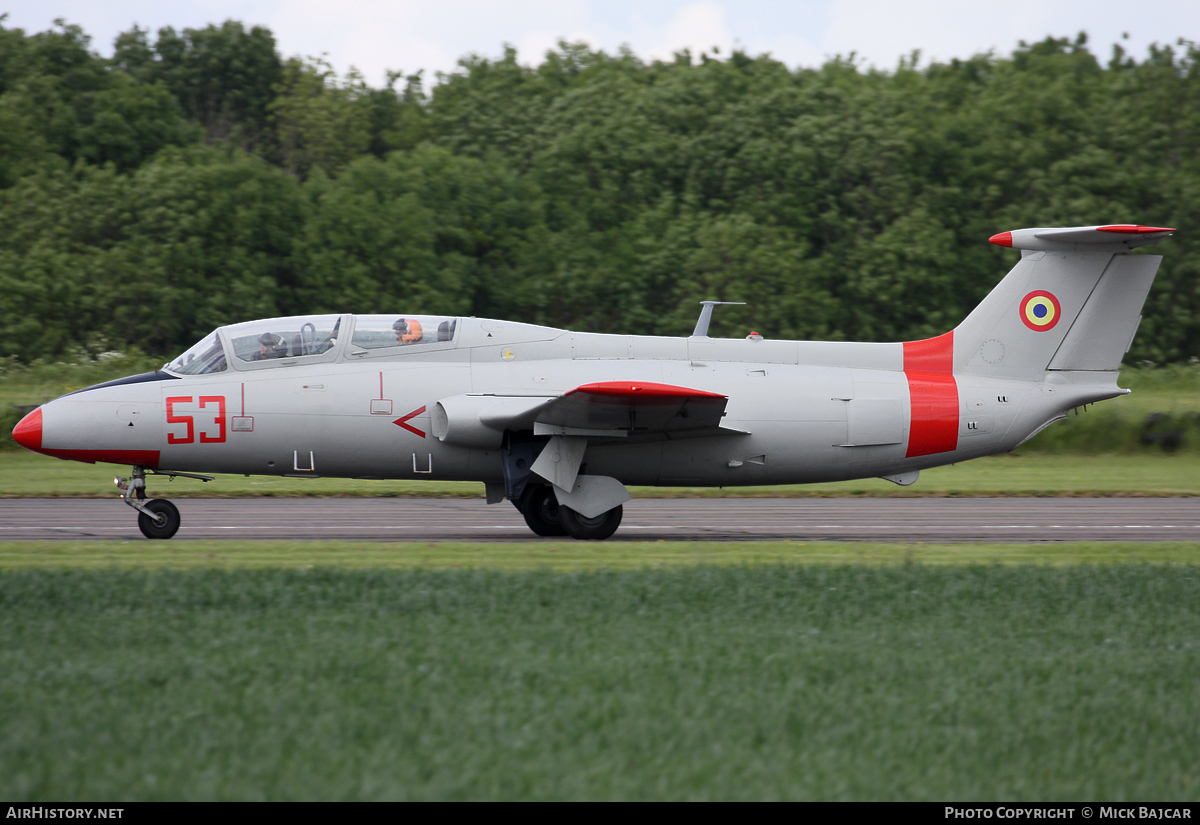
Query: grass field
(566, 557)
(762, 681)
(631, 670)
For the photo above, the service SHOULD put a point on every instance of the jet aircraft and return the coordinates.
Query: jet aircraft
(559, 422)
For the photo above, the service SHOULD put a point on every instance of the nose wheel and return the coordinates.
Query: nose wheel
(161, 521)
(157, 518)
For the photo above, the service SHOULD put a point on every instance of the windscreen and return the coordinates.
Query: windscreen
(205, 357)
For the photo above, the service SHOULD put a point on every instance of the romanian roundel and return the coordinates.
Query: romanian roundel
(1040, 311)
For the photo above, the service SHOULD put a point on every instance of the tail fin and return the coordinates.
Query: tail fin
(1073, 302)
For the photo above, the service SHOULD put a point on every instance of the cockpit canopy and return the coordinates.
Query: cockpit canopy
(311, 339)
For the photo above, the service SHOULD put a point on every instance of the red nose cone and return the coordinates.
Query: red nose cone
(29, 432)
(1003, 239)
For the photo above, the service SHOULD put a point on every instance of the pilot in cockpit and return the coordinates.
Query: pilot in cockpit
(270, 346)
(408, 330)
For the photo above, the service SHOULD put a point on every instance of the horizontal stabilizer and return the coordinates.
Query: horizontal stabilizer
(1119, 237)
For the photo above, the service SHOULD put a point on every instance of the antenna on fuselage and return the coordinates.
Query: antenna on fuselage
(701, 330)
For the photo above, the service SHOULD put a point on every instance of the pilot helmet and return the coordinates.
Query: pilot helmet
(272, 346)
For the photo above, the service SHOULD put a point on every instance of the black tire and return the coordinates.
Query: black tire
(590, 529)
(170, 524)
(541, 511)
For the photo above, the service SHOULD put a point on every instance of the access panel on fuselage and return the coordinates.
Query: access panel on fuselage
(380, 423)
(341, 421)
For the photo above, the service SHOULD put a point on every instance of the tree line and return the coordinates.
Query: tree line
(198, 178)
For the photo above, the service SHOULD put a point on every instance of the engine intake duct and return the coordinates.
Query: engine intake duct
(479, 421)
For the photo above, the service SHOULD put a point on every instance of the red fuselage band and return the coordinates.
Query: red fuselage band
(933, 395)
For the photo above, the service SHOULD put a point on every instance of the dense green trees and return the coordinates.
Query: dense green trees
(197, 178)
(224, 77)
(188, 241)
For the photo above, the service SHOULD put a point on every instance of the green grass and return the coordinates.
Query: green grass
(1041, 474)
(567, 556)
(829, 681)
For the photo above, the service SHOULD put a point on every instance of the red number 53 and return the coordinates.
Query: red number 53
(189, 434)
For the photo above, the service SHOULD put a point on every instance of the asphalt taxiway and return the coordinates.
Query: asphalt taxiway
(708, 519)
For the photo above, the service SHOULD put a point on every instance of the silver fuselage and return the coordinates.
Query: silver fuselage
(797, 412)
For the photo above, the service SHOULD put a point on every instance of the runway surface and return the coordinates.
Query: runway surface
(798, 519)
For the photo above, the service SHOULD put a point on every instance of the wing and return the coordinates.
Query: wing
(633, 408)
(640, 410)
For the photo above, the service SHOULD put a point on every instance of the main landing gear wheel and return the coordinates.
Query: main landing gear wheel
(168, 519)
(541, 511)
(590, 529)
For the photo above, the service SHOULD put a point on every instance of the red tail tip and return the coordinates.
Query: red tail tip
(1003, 239)
(28, 433)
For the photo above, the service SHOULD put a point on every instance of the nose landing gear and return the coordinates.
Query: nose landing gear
(157, 518)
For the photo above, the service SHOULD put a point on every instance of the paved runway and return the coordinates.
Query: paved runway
(801, 519)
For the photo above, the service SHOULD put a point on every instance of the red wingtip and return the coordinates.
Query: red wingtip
(28, 433)
(1133, 229)
(1003, 239)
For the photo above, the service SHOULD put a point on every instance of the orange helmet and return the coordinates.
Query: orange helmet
(409, 330)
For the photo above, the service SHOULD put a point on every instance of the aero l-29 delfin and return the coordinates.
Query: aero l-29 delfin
(559, 422)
